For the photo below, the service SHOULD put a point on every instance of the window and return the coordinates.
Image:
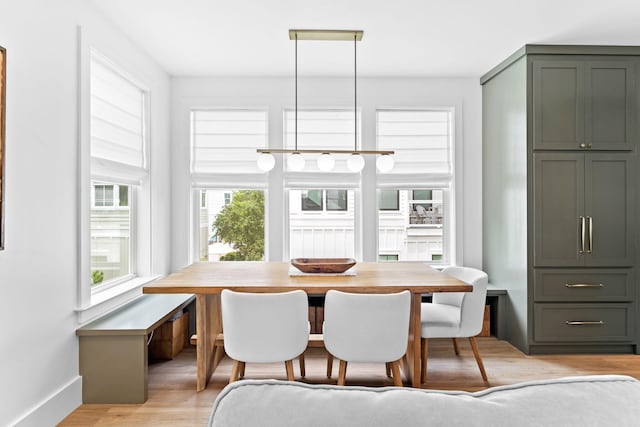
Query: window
(389, 200)
(232, 225)
(322, 224)
(413, 220)
(320, 200)
(118, 166)
(223, 164)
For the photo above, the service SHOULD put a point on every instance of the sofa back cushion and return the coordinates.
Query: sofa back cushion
(601, 400)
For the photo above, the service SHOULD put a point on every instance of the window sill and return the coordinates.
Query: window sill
(112, 298)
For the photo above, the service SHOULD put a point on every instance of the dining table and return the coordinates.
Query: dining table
(207, 280)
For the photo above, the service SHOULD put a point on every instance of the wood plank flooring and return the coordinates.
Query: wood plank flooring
(173, 400)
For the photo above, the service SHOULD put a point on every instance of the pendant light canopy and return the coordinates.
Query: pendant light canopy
(326, 162)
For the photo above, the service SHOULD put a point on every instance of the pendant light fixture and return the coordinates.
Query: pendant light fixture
(326, 162)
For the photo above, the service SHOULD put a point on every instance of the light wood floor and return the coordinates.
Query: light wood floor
(173, 400)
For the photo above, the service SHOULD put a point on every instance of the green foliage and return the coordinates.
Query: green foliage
(241, 224)
(97, 276)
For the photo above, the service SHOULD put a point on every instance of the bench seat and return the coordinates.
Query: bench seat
(113, 348)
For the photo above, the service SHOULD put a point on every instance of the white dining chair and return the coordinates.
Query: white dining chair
(265, 328)
(455, 315)
(367, 328)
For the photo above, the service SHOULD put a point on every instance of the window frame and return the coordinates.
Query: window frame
(93, 301)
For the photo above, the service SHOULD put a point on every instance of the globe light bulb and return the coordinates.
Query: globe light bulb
(295, 162)
(355, 162)
(266, 162)
(385, 163)
(326, 162)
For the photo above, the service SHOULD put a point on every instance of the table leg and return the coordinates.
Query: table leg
(413, 347)
(208, 325)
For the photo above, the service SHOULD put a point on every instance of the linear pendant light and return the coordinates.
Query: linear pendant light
(295, 161)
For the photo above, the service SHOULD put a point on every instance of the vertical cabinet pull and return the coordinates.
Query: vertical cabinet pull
(583, 226)
(590, 220)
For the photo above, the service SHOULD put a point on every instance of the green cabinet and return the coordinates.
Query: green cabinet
(583, 104)
(582, 210)
(560, 199)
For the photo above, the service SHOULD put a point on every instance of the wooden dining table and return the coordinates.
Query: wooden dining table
(207, 280)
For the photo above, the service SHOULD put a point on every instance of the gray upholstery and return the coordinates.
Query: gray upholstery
(604, 400)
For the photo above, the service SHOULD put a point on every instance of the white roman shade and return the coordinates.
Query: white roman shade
(421, 140)
(118, 148)
(318, 129)
(224, 141)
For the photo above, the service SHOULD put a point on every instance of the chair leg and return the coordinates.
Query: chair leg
(388, 367)
(329, 365)
(241, 372)
(397, 379)
(476, 354)
(342, 372)
(455, 346)
(303, 371)
(288, 364)
(423, 357)
(235, 371)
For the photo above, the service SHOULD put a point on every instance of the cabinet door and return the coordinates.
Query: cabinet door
(609, 105)
(558, 105)
(558, 206)
(608, 208)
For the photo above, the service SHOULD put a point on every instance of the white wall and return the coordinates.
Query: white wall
(278, 92)
(38, 268)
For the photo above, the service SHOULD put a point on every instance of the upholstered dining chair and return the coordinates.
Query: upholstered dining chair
(265, 328)
(366, 328)
(455, 315)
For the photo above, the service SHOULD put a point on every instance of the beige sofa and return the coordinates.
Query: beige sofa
(603, 400)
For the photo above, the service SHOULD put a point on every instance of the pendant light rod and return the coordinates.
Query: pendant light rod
(296, 94)
(355, 93)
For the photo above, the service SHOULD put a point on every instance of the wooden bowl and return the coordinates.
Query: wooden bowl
(323, 265)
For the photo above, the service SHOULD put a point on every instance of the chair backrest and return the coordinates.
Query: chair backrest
(269, 327)
(471, 303)
(366, 327)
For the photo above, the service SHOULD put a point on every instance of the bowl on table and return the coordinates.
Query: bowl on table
(323, 265)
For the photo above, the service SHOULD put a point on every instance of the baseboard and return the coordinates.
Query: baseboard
(55, 408)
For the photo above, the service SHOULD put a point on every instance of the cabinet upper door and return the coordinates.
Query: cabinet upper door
(609, 210)
(558, 206)
(609, 105)
(558, 104)
(584, 105)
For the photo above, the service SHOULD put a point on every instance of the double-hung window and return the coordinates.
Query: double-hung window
(230, 225)
(118, 167)
(322, 205)
(415, 212)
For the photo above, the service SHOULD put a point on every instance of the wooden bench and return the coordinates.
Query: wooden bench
(113, 348)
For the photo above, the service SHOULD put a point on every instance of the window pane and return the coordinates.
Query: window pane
(110, 235)
(232, 225)
(312, 200)
(336, 200)
(415, 232)
(320, 233)
(389, 200)
(123, 192)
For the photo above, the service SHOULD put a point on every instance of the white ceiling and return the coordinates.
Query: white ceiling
(451, 38)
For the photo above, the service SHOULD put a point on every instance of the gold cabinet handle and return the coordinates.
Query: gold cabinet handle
(583, 285)
(590, 220)
(582, 234)
(584, 322)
